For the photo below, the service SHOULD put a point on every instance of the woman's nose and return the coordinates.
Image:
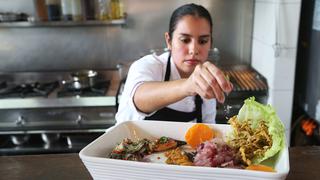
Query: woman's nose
(193, 49)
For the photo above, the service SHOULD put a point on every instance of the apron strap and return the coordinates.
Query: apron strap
(198, 102)
(168, 69)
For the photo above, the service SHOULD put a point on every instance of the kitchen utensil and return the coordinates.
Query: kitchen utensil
(82, 79)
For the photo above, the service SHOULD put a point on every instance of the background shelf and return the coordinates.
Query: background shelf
(25, 24)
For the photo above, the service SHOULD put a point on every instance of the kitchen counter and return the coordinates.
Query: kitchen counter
(304, 164)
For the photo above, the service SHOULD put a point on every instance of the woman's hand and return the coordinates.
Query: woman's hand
(209, 82)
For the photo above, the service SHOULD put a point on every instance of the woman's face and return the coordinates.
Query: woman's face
(190, 43)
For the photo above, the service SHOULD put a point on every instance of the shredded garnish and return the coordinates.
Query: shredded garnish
(250, 142)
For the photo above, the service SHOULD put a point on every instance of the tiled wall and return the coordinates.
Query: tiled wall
(277, 22)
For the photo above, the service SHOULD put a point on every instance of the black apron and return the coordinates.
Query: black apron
(167, 114)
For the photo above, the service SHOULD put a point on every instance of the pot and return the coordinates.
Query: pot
(82, 79)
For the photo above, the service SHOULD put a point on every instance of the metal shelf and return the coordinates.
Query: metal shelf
(27, 24)
(59, 102)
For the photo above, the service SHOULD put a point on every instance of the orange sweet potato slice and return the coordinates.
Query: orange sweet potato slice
(198, 134)
(259, 167)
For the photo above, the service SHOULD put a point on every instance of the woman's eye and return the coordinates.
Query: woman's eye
(203, 41)
(185, 40)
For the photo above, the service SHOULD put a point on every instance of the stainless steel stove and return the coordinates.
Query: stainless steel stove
(55, 112)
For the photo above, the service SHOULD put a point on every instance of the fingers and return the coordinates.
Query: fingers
(206, 84)
(211, 82)
(212, 88)
(223, 82)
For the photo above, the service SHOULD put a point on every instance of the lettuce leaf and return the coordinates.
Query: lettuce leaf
(256, 112)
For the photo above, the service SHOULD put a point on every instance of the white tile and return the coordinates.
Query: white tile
(264, 22)
(278, 1)
(289, 24)
(284, 73)
(263, 60)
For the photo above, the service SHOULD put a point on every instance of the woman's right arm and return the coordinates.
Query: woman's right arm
(152, 96)
(207, 80)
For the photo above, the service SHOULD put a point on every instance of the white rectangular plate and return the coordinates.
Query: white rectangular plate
(94, 156)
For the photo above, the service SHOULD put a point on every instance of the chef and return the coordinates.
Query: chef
(179, 85)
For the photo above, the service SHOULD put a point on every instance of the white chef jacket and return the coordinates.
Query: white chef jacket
(152, 68)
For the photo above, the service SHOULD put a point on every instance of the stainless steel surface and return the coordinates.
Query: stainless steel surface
(31, 24)
(57, 103)
(53, 100)
(60, 48)
(52, 113)
(58, 115)
(50, 138)
(81, 131)
(20, 139)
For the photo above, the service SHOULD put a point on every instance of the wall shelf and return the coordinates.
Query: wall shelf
(27, 24)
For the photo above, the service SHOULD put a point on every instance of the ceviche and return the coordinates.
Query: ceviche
(257, 134)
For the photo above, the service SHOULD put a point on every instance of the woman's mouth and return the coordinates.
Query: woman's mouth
(192, 62)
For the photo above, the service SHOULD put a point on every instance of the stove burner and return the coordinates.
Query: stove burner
(29, 90)
(3, 84)
(98, 89)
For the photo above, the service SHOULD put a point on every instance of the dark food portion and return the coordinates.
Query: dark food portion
(136, 150)
(217, 153)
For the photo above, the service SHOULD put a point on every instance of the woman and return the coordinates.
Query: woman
(180, 85)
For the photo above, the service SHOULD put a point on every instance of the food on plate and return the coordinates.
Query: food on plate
(250, 142)
(136, 150)
(131, 150)
(258, 133)
(260, 167)
(178, 157)
(216, 153)
(198, 134)
(165, 143)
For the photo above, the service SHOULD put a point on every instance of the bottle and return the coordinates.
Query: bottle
(215, 55)
(88, 8)
(77, 10)
(54, 10)
(115, 9)
(102, 10)
(66, 7)
(41, 10)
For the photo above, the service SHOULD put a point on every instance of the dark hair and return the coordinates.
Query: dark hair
(188, 9)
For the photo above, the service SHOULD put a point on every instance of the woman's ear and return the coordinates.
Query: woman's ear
(168, 40)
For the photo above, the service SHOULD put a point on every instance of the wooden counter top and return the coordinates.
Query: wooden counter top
(304, 164)
(44, 167)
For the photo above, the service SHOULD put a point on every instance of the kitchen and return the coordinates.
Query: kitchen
(34, 51)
